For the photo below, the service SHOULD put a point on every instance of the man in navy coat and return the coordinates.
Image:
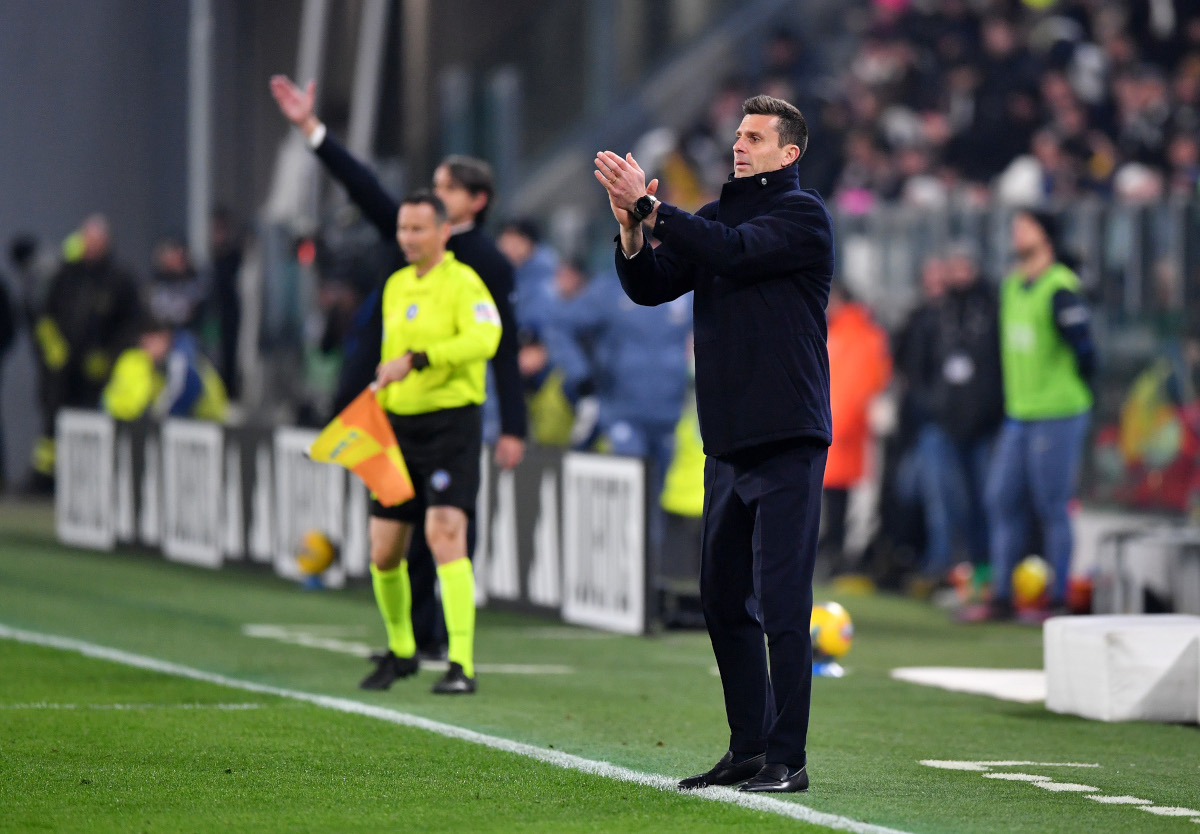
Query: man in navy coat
(759, 261)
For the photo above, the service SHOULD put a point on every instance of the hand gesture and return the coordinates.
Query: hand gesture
(625, 182)
(295, 104)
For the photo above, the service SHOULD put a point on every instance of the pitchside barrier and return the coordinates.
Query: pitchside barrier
(564, 534)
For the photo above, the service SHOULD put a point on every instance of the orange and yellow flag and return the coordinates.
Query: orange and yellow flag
(361, 439)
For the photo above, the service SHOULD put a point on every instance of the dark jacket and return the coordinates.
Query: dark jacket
(472, 247)
(759, 261)
(968, 395)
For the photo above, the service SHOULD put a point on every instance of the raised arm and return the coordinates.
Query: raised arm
(360, 182)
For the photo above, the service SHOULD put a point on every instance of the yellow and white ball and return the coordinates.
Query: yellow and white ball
(315, 553)
(831, 630)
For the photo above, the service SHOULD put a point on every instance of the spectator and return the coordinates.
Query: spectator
(632, 359)
(166, 375)
(534, 264)
(8, 333)
(225, 302)
(90, 316)
(177, 293)
(966, 406)
(860, 367)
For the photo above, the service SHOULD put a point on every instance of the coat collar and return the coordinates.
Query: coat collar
(785, 179)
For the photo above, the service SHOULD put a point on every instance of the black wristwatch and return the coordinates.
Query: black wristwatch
(644, 207)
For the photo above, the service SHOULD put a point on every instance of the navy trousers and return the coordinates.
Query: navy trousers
(762, 510)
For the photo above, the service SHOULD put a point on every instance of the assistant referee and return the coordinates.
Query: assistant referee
(440, 326)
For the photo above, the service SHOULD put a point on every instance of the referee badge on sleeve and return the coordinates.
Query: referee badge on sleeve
(486, 312)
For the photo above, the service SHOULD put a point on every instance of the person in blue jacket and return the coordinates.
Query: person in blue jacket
(759, 262)
(632, 359)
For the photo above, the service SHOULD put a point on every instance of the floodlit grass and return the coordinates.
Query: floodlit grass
(649, 704)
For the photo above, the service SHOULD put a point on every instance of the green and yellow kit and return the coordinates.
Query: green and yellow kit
(449, 315)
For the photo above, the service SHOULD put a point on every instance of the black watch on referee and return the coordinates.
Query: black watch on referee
(644, 207)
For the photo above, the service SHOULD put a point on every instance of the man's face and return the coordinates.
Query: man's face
(1028, 237)
(420, 234)
(516, 247)
(461, 204)
(960, 271)
(757, 150)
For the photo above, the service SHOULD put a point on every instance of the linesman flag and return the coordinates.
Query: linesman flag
(361, 439)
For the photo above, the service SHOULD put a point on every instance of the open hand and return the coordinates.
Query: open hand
(625, 182)
(295, 104)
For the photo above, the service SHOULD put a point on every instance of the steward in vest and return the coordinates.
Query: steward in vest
(1048, 358)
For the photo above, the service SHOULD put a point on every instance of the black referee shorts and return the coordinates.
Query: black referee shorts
(442, 450)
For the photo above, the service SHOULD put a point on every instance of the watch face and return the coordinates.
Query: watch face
(644, 206)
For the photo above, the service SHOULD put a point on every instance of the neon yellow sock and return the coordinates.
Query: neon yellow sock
(458, 604)
(393, 595)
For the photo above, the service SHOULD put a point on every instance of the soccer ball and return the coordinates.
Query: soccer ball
(831, 631)
(1030, 579)
(315, 553)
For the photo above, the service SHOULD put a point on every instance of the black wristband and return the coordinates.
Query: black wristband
(420, 360)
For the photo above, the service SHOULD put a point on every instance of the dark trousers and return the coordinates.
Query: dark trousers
(762, 510)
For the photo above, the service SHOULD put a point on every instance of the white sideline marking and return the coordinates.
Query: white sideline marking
(1025, 686)
(756, 802)
(1068, 787)
(982, 766)
(310, 637)
(1046, 783)
(1168, 812)
(119, 707)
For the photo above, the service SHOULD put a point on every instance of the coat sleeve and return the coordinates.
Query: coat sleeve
(509, 392)
(654, 275)
(796, 235)
(478, 329)
(361, 184)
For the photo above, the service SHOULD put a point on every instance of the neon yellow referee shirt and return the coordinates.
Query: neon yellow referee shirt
(449, 315)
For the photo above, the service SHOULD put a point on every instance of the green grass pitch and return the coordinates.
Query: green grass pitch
(90, 744)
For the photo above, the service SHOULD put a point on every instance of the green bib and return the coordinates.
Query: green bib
(1041, 379)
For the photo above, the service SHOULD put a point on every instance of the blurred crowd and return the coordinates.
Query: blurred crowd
(940, 104)
(135, 343)
(960, 102)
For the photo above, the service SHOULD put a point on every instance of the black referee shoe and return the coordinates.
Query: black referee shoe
(724, 772)
(388, 668)
(778, 778)
(454, 682)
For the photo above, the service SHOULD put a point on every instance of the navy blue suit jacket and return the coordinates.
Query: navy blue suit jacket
(759, 261)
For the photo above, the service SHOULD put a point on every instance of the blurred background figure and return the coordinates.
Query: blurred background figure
(9, 323)
(165, 375)
(535, 267)
(965, 402)
(1048, 360)
(91, 314)
(631, 359)
(534, 263)
(860, 367)
(224, 301)
(177, 293)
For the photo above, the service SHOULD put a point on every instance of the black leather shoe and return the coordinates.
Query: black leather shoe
(454, 682)
(388, 669)
(724, 772)
(777, 778)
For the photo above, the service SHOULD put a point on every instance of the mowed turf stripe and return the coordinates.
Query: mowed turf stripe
(568, 761)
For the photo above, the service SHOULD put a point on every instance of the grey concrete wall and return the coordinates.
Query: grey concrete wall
(92, 118)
